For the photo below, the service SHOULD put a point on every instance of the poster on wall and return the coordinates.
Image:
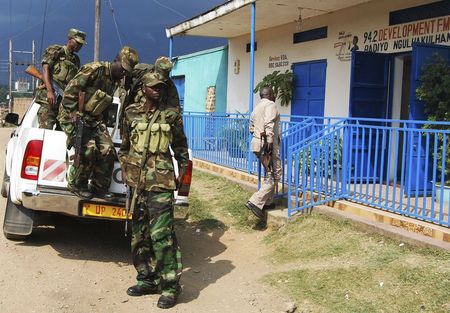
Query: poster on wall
(345, 44)
(396, 38)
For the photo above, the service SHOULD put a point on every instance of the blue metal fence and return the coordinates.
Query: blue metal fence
(398, 166)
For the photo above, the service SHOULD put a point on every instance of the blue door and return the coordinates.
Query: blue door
(308, 97)
(369, 85)
(179, 83)
(418, 170)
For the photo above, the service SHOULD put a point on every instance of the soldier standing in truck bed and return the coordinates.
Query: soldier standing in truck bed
(59, 65)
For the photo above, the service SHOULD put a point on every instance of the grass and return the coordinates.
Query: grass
(337, 268)
(328, 265)
(212, 196)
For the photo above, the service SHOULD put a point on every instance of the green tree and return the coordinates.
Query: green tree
(281, 84)
(434, 91)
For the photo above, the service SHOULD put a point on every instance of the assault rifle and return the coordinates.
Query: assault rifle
(79, 129)
(33, 71)
(265, 155)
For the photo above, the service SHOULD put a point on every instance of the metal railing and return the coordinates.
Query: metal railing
(398, 166)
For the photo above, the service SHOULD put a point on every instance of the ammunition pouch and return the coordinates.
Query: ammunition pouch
(98, 103)
(160, 137)
(138, 136)
(64, 70)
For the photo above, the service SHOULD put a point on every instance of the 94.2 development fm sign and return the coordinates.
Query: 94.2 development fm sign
(401, 37)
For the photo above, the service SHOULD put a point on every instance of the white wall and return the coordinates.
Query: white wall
(342, 26)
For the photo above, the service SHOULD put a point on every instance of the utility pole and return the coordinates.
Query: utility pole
(97, 31)
(10, 78)
(10, 62)
(33, 61)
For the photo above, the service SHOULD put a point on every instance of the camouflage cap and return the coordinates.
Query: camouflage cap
(128, 58)
(78, 35)
(141, 68)
(152, 79)
(163, 65)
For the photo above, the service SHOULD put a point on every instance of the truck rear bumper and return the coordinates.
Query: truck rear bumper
(61, 201)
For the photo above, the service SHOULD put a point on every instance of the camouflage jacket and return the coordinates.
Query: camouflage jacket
(63, 66)
(158, 172)
(91, 77)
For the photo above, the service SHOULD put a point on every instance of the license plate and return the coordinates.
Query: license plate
(106, 211)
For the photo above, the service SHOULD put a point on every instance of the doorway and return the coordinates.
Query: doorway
(308, 98)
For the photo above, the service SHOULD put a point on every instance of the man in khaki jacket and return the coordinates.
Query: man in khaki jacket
(265, 123)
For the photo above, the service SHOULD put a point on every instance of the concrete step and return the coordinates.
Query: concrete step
(407, 229)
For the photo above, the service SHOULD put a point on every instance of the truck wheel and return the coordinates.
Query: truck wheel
(5, 182)
(18, 222)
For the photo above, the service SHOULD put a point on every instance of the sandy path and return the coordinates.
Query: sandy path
(74, 266)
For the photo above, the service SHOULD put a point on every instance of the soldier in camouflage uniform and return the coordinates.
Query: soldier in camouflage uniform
(59, 65)
(162, 66)
(150, 172)
(98, 80)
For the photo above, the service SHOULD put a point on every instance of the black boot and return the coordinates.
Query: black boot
(139, 290)
(255, 210)
(169, 301)
(82, 193)
(99, 193)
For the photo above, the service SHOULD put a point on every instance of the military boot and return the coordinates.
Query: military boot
(140, 290)
(168, 301)
(80, 192)
(99, 193)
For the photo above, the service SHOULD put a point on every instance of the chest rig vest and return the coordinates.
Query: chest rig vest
(64, 68)
(154, 137)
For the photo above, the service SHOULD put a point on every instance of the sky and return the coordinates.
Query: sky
(141, 24)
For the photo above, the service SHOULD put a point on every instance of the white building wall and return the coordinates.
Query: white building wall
(342, 26)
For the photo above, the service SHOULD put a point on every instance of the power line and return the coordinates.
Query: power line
(23, 31)
(115, 22)
(170, 9)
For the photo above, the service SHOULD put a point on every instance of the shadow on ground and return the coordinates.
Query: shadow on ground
(104, 241)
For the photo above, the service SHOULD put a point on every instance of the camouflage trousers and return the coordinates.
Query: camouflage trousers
(154, 246)
(96, 160)
(47, 114)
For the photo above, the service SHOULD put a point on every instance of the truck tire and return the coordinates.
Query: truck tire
(18, 222)
(5, 184)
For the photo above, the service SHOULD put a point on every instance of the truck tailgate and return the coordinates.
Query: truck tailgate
(52, 171)
(55, 160)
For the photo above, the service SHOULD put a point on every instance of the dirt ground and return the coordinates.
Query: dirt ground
(70, 265)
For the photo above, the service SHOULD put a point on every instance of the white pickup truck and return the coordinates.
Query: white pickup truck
(35, 177)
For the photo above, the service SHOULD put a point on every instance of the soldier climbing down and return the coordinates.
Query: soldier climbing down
(97, 81)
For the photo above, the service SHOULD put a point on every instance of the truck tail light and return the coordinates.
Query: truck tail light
(186, 181)
(32, 160)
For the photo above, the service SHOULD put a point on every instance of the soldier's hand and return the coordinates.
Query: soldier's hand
(181, 174)
(51, 99)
